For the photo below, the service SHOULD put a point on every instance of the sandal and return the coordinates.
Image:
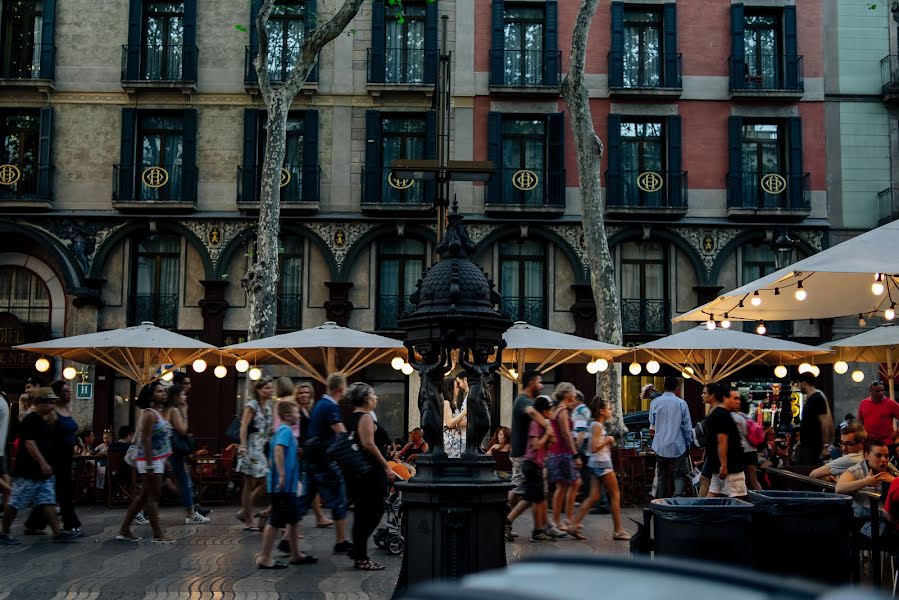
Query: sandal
(325, 523)
(252, 528)
(163, 540)
(367, 565)
(275, 565)
(576, 534)
(240, 517)
(621, 536)
(306, 559)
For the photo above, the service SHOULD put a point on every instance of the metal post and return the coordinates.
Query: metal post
(443, 135)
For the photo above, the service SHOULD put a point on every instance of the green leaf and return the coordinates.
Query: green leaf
(240, 27)
(400, 19)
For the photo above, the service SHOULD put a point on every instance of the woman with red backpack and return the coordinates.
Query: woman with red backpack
(752, 435)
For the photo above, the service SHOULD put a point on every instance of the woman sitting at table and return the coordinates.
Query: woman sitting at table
(500, 447)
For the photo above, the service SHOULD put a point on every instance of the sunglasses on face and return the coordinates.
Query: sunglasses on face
(850, 443)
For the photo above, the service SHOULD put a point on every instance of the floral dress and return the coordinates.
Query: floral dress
(454, 439)
(254, 463)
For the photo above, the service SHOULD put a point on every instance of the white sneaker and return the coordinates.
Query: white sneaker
(197, 518)
(555, 532)
(141, 519)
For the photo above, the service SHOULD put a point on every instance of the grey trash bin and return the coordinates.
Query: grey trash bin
(713, 529)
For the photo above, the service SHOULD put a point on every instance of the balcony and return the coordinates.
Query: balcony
(889, 78)
(754, 194)
(277, 74)
(768, 76)
(300, 189)
(160, 309)
(888, 204)
(398, 197)
(290, 311)
(29, 188)
(402, 70)
(645, 74)
(530, 309)
(154, 187)
(645, 317)
(534, 72)
(526, 191)
(161, 66)
(32, 66)
(390, 310)
(626, 194)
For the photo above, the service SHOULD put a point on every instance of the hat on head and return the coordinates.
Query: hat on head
(44, 394)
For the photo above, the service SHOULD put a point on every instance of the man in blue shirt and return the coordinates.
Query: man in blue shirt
(321, 475)
(669, 417)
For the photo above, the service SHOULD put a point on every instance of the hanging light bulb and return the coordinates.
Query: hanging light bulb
(514, 374)
(725, 324)
(815, 370)
(710, 324)
(220, 371)
(242, 365)
(877, 287)
(592, 367)
(756, 299)
(69, 372)
(780, 371)
(800, 293)
(602, 365)
(890, 313)
(168, 375)
(42, 365)
(840, 367)
(255, 373)
(634, 368)
(653, 366)
(397, 363)
(861, 321)
(805, 368)
(761, 329)
(689, 370)
(199, 365)
(406, 369)
(686, 375)
(858, 376)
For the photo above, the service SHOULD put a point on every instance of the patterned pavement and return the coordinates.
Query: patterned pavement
(215, 561)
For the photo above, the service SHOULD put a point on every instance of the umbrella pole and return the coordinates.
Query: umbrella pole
(891, 371)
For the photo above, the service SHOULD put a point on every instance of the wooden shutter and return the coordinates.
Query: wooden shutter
(189, 156)
(125, 191)
(249, 183)
(189, 42)
(431, 43)
(135, 38)
(497, 42)
(253, 49)
(669, 43)
(616, 64)
(614, 183)
(674, 178)
(791, 49)
(735, 161)
(551, 44)
(555, 160)
(48, 37)
(795, 181)
(495, 154)
(45, 154)
(373, 172)
(737, 48)
(377, 60)
(310, 22)
(310, 156)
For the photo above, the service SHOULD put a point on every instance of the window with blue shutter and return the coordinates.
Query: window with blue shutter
(377, 54)
(734, 161)
(45, 154)
(497, 42)
(614, 180)
(289, 25)
(48, 39)
(26, 39)
(674, 178)
(796, 184)
(552, 57)
(407, 47)
(495, 155)
(371, 187)
(528, 155)
(555, 159)
(158, 156)
(737, 47)
(792, 63)
(125, 171)
(25, 152)
(671, 71)
(189, 156)
(405, 136)
(162, 41)
(616, 56)
(310, 192)
(249, 182)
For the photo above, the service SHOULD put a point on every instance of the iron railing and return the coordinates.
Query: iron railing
(159, 62)
(624, 189)
(391, 309)
(888, 205)
(644, 69)
(528, 187)
(525, 68)
(29, 61)
(763, 191)
(766, 72)
(299, 183)
(161, 309)
(290, 311)
(531, 309)
(889, 74)
(400, 193)
(32, 184)
(148, 183)
(645, 316)
(402, 65)
(278, 71)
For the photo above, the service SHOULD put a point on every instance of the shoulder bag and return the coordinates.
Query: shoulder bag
(348, 455)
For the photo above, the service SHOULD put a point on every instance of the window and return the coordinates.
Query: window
(642, 151)
(160, 144)
(155, 283)
(764, 50)
(522, 265)
(644, 288)
(286, 28)
(400, 266)
(163, 48)
(530, 154)
(22, 42)
(642, 47)
(757, 261)
(391, 137)
(21, 133)
(405, 52)
(24, 295)
(761, 41)
(524, 44)
(290, 284)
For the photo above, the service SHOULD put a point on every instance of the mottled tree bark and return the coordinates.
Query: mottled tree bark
(261, 279)
(588, 149)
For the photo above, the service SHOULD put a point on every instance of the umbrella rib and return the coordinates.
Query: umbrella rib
(302, 364)
(368, 359)
(748, 359)
(107, 360)
(350, 366)
(355, 356)
(548, 359)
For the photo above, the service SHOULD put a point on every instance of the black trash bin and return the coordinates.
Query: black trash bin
(713, 529)
(803, 533)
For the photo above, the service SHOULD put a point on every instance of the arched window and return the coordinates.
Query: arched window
(25, 295)
(290, 284)
(155, 277)
(522, 266)
(400, 266)
(645, 305)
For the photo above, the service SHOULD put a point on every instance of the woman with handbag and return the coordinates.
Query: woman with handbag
(183, 445)
(368, 490)
(255, 428)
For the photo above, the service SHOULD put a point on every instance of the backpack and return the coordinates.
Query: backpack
(755, 433)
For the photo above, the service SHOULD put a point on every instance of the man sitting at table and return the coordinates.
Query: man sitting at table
(866, 476)
(852, 440)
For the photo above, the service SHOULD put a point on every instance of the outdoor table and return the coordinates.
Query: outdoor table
(83, 462)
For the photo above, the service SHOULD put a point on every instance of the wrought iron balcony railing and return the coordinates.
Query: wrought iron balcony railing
(645, 69)
(29, 61)
(645, 316)
(766, 73)
(161, 309)
(154, 183)
(299, 183)
(525, 68)
(402, 66)
(769, 191)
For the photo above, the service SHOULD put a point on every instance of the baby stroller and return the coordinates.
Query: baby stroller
(390, 537)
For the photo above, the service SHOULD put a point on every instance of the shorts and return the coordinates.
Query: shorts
(734, 486)
(751, 459)
(33, 492)
(327, 481)
(4, 470)
(284, 510)
(158, 466)
(560, 469)
(517, 478)
(533, 482)
(602, 469)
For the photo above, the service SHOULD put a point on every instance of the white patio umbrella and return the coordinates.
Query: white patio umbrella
(713, 355)
(879, 345)
(834, 283)
(143, 353)
(329, 346)
(529, 345)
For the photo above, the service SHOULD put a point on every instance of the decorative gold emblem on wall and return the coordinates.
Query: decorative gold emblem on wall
(774, 184)
(399, 184)
(285, 176)
(339, 238)
(214, 237)
(155, 177)
(650, 181)
(525, 180)
(9, 174)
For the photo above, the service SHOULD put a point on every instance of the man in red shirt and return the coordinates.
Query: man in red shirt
(876, 414)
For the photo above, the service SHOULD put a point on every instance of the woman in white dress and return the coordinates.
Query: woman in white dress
(455, 417)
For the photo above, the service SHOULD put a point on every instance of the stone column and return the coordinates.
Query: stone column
(584, 311)
(706, 293)
(211, 396)
(338, 306)
(213, 308)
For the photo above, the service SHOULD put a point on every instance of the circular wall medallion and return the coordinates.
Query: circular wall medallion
(399, 184)
(773, 183)
(285, 176)
(9, 174)
(525, 180)
(155, 177)
(650, 181)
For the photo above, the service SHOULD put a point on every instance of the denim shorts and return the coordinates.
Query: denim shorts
(601, 469)
(325, 480)
(560, 469)
(33, 492)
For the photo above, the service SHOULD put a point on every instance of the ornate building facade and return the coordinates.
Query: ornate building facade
(134, 131)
